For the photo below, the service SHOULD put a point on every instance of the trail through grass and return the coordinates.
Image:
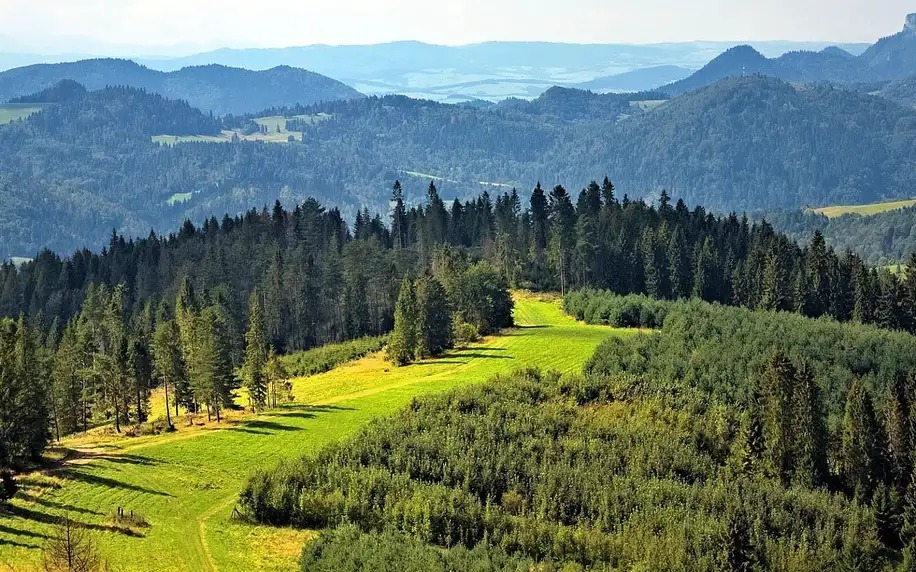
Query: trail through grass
(185, 484)
(865, 210)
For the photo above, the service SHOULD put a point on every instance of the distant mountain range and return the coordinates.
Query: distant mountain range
(491, 70)
(212, 88)
(890, 58)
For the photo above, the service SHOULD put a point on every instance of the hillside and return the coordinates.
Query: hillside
(188, 506)
(890, 58)
(745, 143)
(213, 88)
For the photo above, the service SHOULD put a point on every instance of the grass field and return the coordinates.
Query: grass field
(865, 210)
(16, 111)
(185, 484)
(272, 135)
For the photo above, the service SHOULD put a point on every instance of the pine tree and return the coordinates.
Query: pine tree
(168, 362)
(775, 294)
(403, 340)
(776, 414)
(679, 265)
(434, 321)
(886, 517)
(751, 440)
(808, 432)
(897, 425)
(562, 234)
(860, 455)
(277, 378)
(255, 354)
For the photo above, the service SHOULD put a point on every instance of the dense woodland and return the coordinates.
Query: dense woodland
(92, 163)
(207, 310)
(729, 440)
(882, 239)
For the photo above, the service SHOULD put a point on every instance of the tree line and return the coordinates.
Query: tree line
(178, 311)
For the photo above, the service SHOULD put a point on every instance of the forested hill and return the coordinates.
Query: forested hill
(71, 173)
(213, 88)
(890, 58)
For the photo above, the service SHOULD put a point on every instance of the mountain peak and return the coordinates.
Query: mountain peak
(910, 25)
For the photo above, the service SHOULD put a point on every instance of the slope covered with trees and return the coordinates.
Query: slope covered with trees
(97, 171)
(729, 440)
(882, 239)
(213, 88)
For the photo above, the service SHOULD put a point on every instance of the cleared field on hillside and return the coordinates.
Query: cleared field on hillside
(276, 132)
(865, 210)
(16, 111)
(185, 484)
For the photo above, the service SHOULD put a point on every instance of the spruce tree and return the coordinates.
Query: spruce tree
(861, 452)
(403, 341)
(808, 432)
(255, 354)
(776, 415)
(168, 363)
(434, 321)
(897, 426)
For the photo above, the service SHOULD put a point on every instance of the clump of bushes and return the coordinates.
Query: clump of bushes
(326, 358)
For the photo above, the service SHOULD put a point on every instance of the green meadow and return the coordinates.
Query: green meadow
(276, 132)
(864, 210)
(185, 484)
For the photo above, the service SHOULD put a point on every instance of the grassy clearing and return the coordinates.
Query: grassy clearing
(185, 484)
(864, 210)
(276, 132)
(178, 198)
(16, 111)
(648, 104)
(326, 358)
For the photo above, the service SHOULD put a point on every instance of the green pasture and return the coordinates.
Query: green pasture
(865, 210)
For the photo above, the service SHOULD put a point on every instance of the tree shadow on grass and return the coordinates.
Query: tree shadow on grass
(535, 327)
(324, 408)
(28, 497)
(88, 478)
(480, 355)
(16, 532)
(15, 544)
(44, 518)
(262, 427)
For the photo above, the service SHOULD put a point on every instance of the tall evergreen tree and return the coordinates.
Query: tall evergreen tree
(776, 415)
(808, 432)
(255, 354)
(434, 321)
(861, 453)
(403, 340)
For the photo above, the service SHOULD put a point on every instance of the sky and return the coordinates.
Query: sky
(159, 26)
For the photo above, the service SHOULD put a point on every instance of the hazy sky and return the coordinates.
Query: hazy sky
(209, 23)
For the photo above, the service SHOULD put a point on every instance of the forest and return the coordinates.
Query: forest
(726, 440)
(883, 239)
(92, 160)
(208, 310)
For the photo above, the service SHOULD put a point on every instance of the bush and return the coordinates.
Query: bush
(326, 358)
(464, 334)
